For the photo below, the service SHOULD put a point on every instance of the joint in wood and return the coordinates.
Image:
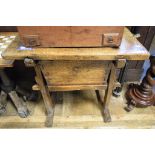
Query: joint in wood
(120, 63)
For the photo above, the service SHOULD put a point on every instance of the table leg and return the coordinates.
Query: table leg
(19, 104)
(105, 99)
(3, 102)
(46, 96)
(121, 79)
(8, 86)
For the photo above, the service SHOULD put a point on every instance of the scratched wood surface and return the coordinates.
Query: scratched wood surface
(130, 49)
(75, 72)
(80, 109)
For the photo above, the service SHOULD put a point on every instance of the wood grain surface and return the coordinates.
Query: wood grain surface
(71, 36)
(130, 49)
(75, 72)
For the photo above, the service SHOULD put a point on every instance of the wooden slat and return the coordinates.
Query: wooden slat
(75, 87)
(130, 49)
(72, 87)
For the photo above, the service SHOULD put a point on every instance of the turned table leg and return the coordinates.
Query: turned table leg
(142, 95)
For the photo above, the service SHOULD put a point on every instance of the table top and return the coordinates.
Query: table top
(130, 49)
(5, 41)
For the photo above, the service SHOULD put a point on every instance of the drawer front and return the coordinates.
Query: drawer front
(75, 72)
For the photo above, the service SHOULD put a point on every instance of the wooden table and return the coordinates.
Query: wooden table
(66, 69)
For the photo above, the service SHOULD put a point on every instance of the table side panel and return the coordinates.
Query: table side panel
(75, 72)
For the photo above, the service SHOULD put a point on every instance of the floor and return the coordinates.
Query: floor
(80, 109)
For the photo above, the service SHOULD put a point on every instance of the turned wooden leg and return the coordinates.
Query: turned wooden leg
(142, 95)
(3, 102)
(106, 98)
(18, 102)
(48, 101)
(130, 106)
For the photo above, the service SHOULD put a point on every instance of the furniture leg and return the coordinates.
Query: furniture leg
(46, 96)
(105, 99)
(3, 102)
(22, 110)
(8, 86)
(121, 78)
(142, 95)
(27, 95)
